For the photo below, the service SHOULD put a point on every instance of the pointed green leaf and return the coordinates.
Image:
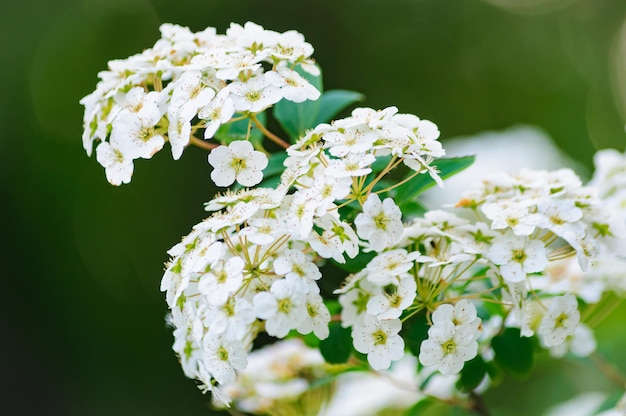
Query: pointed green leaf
(610, 402)
(415, 186)
(337, 347)
(425, 406)
(513, 352)
(334, 101)
(412, 209)
(275, 164)
(472, 374)
(414, 331)
(297, 118)
(356, 264)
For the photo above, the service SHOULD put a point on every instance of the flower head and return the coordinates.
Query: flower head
(237, 162)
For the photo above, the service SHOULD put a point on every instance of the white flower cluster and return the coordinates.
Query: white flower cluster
(251, 265)
(521, 224)
(497, 261)
(278, 376)
(188, 84)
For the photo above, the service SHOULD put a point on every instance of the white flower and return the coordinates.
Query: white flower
(515, 216)
(379, 340)
(326, 245)
(380, 222)
(356, 140)
(190, 92)
(237, 162)
(254, 95)
(217, 112)
(392, 300)
(139, 134)
(317, 318)
(292, 263)
(389, 266)
(232, 319)
(222, 357)
(354, 164)
(283, 308)
(117, 161)
(222, 280)
(581, 343)
(462, 314)
(448, 347)
(354, 302)
(262, 231)
(517, 256)
(292, 86)
(560, 321)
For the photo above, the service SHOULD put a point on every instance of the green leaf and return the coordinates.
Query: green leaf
(356, 264)
(420, 408)
(337, 347)
(447, 167)
(473, 373)
(610, 402)
(275, 164)
(334, 101)
(431, 406)
(297, 118)
(513, 352)
(414, 331)
(412, 209)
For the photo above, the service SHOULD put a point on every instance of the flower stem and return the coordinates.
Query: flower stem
(268, 133)
(609, 370)
(202, 144)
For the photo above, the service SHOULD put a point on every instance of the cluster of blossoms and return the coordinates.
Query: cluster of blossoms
(280, 379)
(446, 285)
(251, 265)
(188, 85)
(525, 222)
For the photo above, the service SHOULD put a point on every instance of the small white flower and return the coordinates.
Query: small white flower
(379, 340)
(357, 140)
(117, 162)
(222, 357)
(262, 231)
(254, 95)
(293, 263)
(517, 256)
(317, 318)
(448, 347)
(389, 266)
(462, 314)
(237, 162)
(392, 300)
(560, 321)
(509, 215)
(354, 303)
(380, 222)
(581, 343)
(139, 133)
(292, 86)
(222, 280)
(217, 112)
(354, 164)
(283, 308)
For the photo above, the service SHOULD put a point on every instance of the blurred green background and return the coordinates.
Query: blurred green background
(82, 322)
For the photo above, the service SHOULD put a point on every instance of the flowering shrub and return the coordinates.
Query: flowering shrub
(321, 235)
